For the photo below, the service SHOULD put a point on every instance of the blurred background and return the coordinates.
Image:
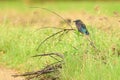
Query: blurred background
(19, 12)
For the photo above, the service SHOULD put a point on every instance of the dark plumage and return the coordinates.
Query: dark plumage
(81, 27)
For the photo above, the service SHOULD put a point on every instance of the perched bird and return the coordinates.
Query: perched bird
(81, 27)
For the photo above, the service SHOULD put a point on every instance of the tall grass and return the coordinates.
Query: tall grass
(19, 44)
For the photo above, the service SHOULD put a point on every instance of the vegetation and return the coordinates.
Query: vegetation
(20, 37)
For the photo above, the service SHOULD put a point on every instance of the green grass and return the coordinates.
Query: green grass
(19, 43)
(103, 7)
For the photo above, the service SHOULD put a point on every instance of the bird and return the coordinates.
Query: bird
(81, 27)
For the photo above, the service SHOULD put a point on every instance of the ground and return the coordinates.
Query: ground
(6, 74)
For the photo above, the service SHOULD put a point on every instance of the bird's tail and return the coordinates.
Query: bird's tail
(87, 33)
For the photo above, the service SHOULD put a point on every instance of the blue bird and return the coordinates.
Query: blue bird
(81, 27)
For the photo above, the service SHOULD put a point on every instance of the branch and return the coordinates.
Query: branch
(49, 54)
(55, 14)
(52, 36)
(48, 38)
(48, 27)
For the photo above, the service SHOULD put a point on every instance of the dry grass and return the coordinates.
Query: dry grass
(40, 18)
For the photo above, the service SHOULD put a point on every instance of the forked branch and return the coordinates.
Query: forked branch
(52, 36)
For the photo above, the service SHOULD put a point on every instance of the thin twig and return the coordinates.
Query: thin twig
(48, 38)
(48, 54)
(48, 27)
(62, 34)
(54, 58)
(75, 48)
(48, 69)
(55, 63)
(52, 36)
(91, 43)
(55, 14)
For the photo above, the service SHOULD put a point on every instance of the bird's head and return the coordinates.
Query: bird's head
(78, 21)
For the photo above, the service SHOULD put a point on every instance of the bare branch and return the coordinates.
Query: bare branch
(55, 14)
(48, 27)
(48, 38)
(48, 69)
(52, 36)
(49, 54)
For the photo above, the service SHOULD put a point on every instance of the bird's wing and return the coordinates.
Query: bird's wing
(83, 26)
